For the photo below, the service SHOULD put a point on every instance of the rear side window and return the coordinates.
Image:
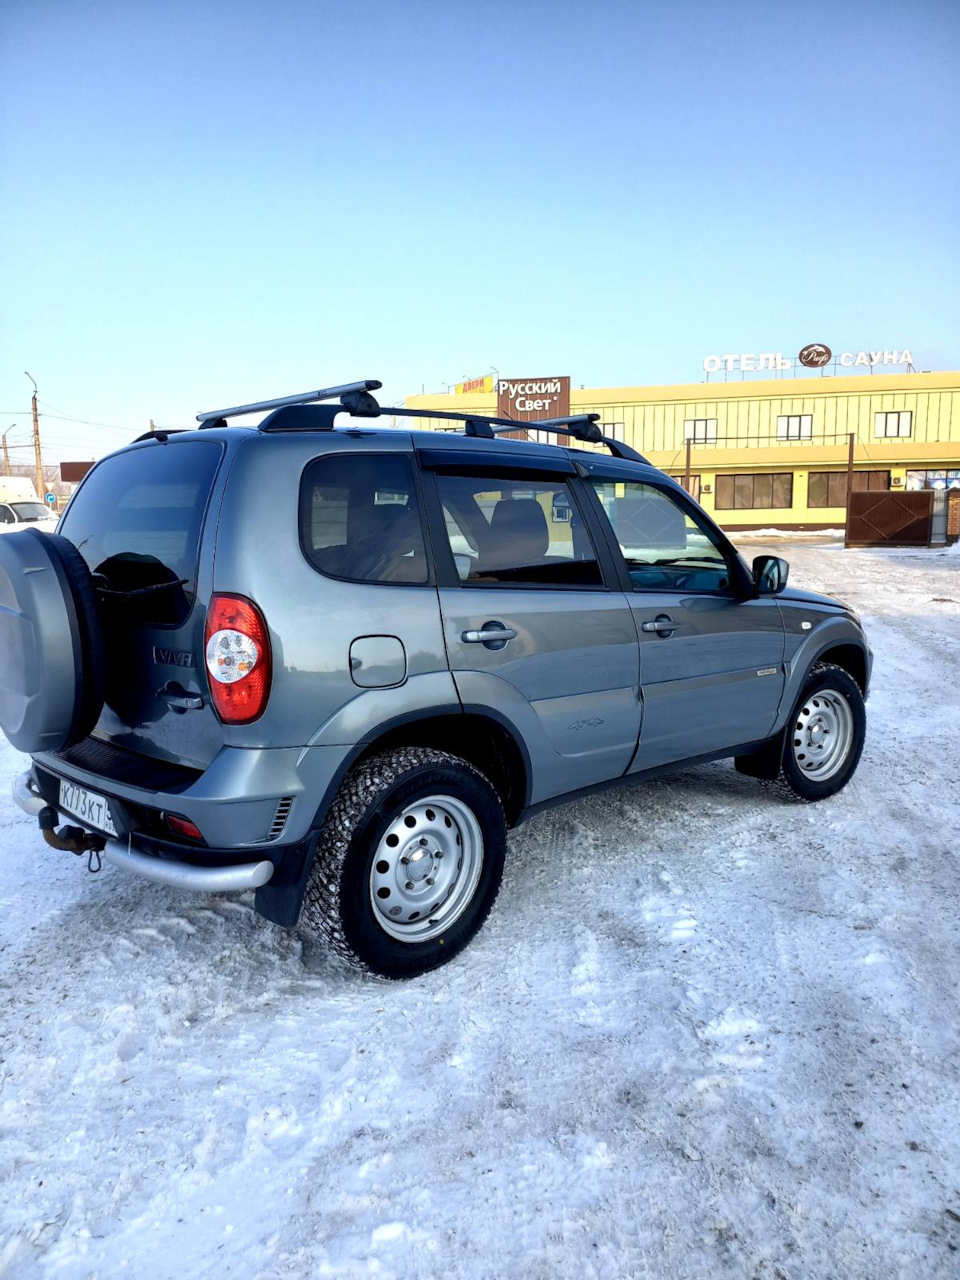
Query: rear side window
(137, 519)
(516, 533)
(360, 518)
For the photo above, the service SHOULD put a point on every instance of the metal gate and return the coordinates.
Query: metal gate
(938, 526)
(891, 519)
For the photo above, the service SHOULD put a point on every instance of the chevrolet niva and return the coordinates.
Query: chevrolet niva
(335, 664)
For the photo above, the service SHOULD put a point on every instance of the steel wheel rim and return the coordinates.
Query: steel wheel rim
(822, 735)
(426, 868)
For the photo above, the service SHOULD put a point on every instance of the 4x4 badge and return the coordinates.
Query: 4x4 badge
(173, 657)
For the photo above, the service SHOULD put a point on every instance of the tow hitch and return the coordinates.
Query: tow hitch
(71, 839)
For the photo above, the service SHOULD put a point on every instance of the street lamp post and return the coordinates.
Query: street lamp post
(36, 437)
(6, 451)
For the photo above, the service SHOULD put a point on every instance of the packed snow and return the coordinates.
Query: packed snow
(703, 1034)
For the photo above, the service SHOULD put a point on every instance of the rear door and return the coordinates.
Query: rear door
(516, 558)
(711, 660)
(138, 520)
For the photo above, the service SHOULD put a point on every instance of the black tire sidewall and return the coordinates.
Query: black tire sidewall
(840, 682)
(373, 946)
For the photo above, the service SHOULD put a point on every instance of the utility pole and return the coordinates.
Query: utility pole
(686, 467)
(153, 429)
(6, 451)
(36, 439)
(850, 448)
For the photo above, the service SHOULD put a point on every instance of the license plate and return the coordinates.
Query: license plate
(86, 806)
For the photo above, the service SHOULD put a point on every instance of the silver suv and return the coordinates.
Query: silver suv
(336, 665)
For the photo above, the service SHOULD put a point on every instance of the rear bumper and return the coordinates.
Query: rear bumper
(246, 800)
(184, 875)
(25, 794)
(223, 878)
(163, 871)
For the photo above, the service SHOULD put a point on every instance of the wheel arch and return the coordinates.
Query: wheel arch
(479, 735)
(851, 657)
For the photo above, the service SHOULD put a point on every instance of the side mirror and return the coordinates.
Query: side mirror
(770, 575)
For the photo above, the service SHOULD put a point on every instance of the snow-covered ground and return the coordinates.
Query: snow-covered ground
(704, 1034)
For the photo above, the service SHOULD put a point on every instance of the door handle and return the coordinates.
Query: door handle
(662, 625)
(492, 634)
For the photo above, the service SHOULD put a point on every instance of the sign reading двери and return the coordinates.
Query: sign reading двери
(531, 399)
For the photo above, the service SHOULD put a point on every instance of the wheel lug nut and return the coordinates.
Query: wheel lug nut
(430, 880)
(423, 839)
(404, 861)
(408, 885)
(438, 854)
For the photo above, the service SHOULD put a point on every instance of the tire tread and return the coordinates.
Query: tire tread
(360, 789)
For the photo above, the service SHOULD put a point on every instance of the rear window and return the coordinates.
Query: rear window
(137, 519)
(360, 518)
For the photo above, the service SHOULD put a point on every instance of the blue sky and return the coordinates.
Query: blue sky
(208, 203)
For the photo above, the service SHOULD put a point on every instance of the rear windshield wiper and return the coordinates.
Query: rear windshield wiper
(138, 591)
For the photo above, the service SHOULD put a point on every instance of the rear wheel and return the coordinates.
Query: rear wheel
(408, 864)
(824, 738)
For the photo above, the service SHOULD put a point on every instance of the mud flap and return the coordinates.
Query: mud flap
(765, 763)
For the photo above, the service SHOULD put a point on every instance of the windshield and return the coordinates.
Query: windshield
(30, 511)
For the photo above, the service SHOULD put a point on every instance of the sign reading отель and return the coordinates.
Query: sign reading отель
(814, 356)
(530, 399)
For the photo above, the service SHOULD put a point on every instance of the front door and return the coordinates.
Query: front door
(711, 661)
(535, 631)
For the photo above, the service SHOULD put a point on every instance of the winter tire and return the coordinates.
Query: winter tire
(408, 864)
(824, 737)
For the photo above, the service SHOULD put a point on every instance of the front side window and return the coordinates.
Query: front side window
(360, 518)
(665, 548)
(523, 533)
(6, 515)
(748, 493)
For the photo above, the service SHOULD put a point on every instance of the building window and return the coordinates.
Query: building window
(694, 490)
(743, 493)
(700, 430)
(917, 480)
(795, 426)
(897, 424)
(829, 488)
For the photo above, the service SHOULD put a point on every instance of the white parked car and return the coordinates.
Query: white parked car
(21, 508)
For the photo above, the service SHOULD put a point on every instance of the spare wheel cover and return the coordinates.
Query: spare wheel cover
(52, 669)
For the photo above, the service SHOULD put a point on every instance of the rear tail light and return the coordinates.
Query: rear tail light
(237, 653)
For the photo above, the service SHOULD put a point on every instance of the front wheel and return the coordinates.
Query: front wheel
(409, 862)
(824, 738)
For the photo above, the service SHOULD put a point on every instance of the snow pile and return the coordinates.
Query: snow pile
(790, 534)
(703, 1034)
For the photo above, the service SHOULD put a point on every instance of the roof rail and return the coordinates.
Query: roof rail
(303, 413)
(352, 395)
(623, 451)
(161, 433)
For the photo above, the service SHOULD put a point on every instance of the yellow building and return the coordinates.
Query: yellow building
(774, 453)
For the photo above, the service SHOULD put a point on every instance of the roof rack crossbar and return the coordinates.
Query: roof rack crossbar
(352, 395)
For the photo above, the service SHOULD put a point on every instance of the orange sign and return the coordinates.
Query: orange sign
(474, 384)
